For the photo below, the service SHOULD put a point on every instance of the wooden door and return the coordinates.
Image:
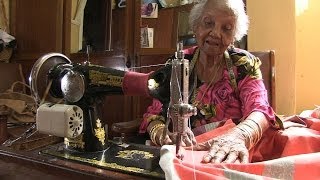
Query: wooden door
(116, 108)
(165, 40)
(38, 27)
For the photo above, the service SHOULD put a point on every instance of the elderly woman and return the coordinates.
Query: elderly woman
(228, 86)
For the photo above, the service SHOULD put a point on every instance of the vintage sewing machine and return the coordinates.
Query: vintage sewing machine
(69, 95)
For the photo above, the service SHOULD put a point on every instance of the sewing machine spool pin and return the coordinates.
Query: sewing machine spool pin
(88, 50)
(179, 109)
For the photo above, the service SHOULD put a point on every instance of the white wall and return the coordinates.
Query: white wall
(272, 26)
(308, 59)
(292, 29)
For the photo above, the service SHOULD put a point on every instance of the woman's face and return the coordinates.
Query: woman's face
(215, 31)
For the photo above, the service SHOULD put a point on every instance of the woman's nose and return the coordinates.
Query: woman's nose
(215, 32)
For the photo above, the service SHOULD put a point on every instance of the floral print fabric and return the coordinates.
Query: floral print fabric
(221, 101)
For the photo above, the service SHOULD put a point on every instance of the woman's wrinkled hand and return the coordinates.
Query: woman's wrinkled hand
(227, 148)
(166, 137)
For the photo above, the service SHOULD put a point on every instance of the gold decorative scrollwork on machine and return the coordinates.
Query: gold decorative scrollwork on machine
(100, 132)
(101, 78)
(130, 154)
(75, 142)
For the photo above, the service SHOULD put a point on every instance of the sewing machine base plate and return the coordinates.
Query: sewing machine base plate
(129, 158)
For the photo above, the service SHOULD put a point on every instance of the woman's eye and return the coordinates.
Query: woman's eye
(208, 23)
(228, 28)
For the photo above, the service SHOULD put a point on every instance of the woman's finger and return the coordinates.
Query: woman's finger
(219, 156)
(167, 140)
(207, 158)
(186, 140)
(202, 146)
(237, 161)
(212, 152)
(173, 137)
(232, 157)
(193, 139)
(244, 156)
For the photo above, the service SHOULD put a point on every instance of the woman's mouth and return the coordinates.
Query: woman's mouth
(213, 43)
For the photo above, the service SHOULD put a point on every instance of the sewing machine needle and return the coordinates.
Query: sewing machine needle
(178, 143)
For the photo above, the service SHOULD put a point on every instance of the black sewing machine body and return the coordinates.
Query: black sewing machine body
(85, 85)
(55, 78)
(72, 87)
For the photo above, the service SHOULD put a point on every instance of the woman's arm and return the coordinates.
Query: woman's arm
(234, 145)
(253, 127)
(153, 113)
(154, 124)
(156, 130)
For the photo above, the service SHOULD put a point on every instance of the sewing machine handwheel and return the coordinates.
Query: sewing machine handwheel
(38, 77)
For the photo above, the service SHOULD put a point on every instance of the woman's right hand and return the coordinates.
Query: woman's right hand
(165, 137)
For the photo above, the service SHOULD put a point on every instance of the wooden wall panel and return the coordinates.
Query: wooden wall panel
(38, 27)
(163, 27)
(141, 103)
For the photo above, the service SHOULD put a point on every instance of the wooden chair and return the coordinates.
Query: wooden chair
(268, 74)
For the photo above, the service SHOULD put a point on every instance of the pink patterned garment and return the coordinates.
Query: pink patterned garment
(221, 102)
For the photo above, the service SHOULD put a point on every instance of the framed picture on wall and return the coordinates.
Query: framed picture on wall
(147, 37)
(174, 3)
(149, 10)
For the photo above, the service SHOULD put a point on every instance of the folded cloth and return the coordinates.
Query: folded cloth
(293, 153)
(167, 157)
(316, 112)
(5, 37)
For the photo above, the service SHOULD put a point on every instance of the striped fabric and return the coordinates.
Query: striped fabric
(293, 153)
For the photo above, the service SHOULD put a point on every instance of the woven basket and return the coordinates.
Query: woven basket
(6, 54)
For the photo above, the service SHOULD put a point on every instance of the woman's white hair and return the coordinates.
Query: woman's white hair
(235, 6)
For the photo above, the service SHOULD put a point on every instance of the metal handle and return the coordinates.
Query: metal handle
(109, 28)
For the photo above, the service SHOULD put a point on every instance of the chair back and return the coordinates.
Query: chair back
(268, 73)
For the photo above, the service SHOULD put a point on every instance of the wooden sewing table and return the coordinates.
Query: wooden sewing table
(31, 164)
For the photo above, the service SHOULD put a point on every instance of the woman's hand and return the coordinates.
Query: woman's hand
(234, 146)
(227, 148)
(187, 138)
(163, 137)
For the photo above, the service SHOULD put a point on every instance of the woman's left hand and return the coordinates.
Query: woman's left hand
(226, 148)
